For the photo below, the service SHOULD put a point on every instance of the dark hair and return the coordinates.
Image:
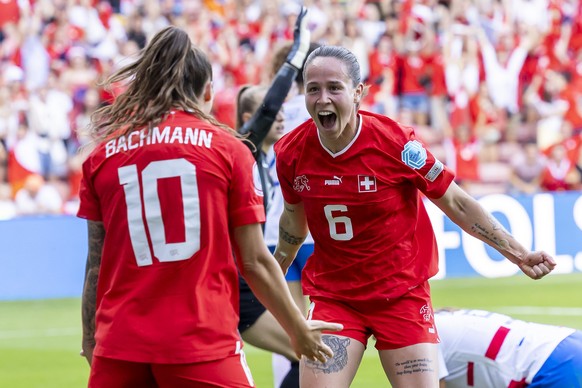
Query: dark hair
(342, 54)
(248, 99)
(170, 73)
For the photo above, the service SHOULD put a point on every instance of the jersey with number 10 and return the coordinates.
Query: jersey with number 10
(373, 238)
(168, 284)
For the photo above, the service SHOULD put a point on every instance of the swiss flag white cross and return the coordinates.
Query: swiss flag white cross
(366, 184)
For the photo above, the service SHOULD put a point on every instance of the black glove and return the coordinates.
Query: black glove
(301, 40)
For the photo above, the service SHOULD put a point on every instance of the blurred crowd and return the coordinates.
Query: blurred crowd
(493, 87)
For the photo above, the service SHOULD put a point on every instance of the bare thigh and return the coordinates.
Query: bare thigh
(337, 372)
(297, 294)
(412, 366)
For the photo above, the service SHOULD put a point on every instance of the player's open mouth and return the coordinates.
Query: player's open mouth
(327, 119)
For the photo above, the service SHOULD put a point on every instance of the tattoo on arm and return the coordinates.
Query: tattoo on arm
(288, 238)
(96, 234)
(489, 234)
(339, 346)
(414, 366)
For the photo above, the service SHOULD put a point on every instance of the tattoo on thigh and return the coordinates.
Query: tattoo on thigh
(414, 366)
(339, 360)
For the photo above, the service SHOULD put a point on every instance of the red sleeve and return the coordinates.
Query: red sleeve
(285, 172)
(89, 207)
(429, 174)
(245, 202)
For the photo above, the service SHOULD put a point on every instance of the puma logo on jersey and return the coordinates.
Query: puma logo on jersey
(336, 181)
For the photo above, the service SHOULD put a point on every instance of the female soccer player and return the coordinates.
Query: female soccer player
(168, 196)
(356, 179)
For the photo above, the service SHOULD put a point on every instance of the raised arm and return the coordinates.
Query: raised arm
(96, 236)
(261, 272)
(260, 123)
(292, 232)
(466, 212)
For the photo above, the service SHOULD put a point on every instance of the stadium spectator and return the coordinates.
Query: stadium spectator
(461, 61)
(526, 170)
(559, 172)
(436, 88)
(49, 119)
(462, 156)
(489, 124)
(502, 65)
(415, 80)
(78, 75)
(8, 208)
(383, 77)
(486, 349)
(240, 38)
(38, 196)
(355, 178)
(8, 130)
(196, 177)
(354, 41)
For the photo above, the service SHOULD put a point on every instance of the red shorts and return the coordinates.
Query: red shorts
(396, 323)
(232, 371)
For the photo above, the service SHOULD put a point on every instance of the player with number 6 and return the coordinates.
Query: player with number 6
(357, 179)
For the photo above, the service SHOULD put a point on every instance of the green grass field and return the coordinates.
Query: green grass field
(40, 340)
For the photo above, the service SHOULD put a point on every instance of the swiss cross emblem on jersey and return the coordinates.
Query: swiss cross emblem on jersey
(367, 184)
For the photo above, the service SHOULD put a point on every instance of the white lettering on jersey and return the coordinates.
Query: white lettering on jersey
(134, 140)
(177, 136)
(158, 137)
(130, 144)
(336, 181)
(435, 171)
(109, 148)
(121, 145)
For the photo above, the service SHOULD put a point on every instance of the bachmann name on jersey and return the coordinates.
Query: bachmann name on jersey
(167, 135)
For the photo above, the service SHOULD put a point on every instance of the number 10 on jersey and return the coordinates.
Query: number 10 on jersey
(162, 250)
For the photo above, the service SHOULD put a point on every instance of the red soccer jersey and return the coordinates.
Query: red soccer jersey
(373, 238)
(168, 288)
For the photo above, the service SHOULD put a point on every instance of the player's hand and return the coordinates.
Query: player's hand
(87, 351)
(301, 40)
(536, 265)
(309, 343)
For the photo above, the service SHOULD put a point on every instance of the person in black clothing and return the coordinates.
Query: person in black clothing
(260, 119)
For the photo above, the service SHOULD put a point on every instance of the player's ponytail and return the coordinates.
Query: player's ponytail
(169, 73)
